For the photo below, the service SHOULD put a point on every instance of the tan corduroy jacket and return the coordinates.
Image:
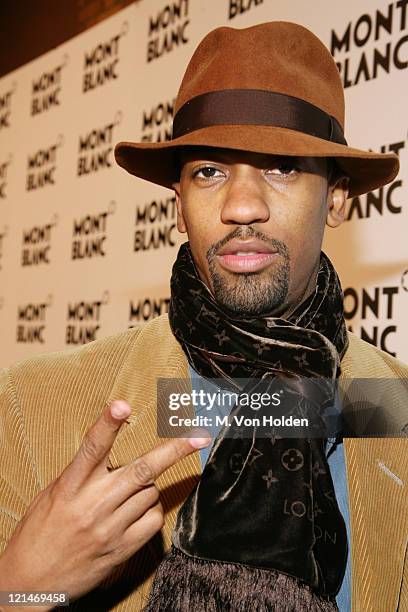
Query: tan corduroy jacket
(48, 403)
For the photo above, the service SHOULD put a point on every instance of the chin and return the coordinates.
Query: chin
(250, 294)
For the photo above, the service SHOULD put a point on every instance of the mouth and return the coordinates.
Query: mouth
(246, 256)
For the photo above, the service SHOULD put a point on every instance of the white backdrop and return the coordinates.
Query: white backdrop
(86, 250)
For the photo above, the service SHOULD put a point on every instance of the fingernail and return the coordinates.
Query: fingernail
(199, 442)
(119, 409)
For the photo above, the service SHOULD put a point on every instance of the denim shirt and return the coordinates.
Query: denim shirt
(336, 461)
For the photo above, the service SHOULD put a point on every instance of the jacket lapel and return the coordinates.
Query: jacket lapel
(137, 384)
(155, 354)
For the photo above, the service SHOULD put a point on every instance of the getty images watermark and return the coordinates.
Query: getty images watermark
(283, 406)
(214, 404)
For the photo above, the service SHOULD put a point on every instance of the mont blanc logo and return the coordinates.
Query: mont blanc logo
(157, 122)
(404, 280)
(155, 225)
(147, 308)
(237, 7)
(386, 200)
(3, 234)
(96, 146)
(83, 319)
(168, 29)
(5, 106)
(374, 310)
(90, 233)
(101, 63)
(37, 244)
(31, 321)
(4, 166)
(384, 37)
(46, 89)
(42, 166)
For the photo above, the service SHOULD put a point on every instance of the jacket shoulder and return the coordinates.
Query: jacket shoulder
(363, 360)
(90, 371)
(97, 357)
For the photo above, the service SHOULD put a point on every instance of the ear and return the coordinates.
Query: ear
(181, 224)
(336, 201)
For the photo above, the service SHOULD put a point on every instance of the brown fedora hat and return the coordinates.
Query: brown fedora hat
(271, 88)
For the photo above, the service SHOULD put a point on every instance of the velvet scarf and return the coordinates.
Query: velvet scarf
(262, 529)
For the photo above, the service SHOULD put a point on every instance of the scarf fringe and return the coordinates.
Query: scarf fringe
(187, 584)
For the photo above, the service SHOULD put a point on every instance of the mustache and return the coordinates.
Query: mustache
(248, 232)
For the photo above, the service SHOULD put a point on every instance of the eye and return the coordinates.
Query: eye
(283, 170)
(206, 173)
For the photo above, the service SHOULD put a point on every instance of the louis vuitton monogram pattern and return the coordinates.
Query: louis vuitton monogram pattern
(266, 502)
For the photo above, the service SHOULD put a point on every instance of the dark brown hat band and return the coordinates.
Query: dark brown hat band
(256, 107)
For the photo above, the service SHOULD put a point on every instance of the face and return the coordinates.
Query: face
(255, 224)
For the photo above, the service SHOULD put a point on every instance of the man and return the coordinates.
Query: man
(258, 122)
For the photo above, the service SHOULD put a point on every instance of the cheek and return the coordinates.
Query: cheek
(201, 232)
(201, 219)
(303, 228)
(192, 207)
(197, 224)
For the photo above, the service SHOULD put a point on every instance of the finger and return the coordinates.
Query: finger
(144, 471)
(169, 453)
(96, 445)
(132, 509)
(140, 532)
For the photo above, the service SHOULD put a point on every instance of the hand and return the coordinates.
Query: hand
(89, 520)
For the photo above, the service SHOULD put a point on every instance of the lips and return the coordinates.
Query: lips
(245, 256)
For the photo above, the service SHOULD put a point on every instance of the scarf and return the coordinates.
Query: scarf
(262, 529)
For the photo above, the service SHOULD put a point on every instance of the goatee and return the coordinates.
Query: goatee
(254, 293)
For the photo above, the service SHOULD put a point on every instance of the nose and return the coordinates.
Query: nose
(244, 201)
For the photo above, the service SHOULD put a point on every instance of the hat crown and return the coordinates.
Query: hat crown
(278, 56)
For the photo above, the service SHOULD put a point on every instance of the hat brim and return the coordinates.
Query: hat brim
(159, 162)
